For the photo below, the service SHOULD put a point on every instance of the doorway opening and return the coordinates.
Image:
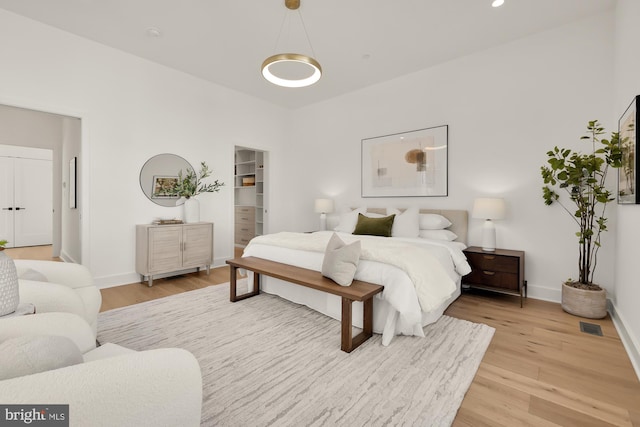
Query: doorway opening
(23, 130)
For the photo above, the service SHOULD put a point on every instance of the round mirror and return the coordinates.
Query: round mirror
(159, 175)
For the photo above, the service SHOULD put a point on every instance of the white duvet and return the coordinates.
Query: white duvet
(419, 276)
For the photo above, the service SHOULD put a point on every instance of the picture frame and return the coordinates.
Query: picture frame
(407, 164)
(628, 177)
(73, 182)
(162, 187)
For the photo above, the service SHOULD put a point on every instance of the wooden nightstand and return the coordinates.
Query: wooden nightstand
(500, 271)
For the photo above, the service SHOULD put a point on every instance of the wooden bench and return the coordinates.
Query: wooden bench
(358, 291)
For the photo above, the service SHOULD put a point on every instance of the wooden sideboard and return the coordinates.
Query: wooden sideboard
(165, 249)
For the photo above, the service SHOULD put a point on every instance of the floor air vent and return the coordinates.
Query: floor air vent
(591, 328)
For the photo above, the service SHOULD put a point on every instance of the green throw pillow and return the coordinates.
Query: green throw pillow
(374, 226)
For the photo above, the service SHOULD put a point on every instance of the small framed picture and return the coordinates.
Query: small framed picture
(164, 187)
(628, 177)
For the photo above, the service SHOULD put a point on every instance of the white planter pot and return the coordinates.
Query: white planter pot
(191, 210)
(584, 303)
(9, 293)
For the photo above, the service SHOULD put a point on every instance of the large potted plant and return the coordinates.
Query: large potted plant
(189, 185)
(580, 179)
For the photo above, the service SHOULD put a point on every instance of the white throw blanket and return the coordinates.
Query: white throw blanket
(432, 284)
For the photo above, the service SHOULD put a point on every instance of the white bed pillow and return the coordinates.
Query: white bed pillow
(348, 220)
(405, 224)
(433, 222)
(373, 215)
(341, 260)
(447, 235)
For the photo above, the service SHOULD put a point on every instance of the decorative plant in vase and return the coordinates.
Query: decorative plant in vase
(189, 185)
(580, 179)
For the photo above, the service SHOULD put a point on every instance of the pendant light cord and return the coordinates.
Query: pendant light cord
(284, 19)
(304, 27)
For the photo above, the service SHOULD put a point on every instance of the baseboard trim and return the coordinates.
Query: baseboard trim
(116, 280)
(631, 345)
(129, 278)
(67, 258)
(545, 294)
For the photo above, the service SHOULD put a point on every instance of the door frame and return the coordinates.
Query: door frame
(82, 192)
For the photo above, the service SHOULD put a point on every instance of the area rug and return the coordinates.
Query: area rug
(269, 362)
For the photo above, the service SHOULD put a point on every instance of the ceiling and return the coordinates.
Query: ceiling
(357, 42)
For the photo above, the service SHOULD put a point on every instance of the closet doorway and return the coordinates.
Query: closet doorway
(26, 205)
(250, 194)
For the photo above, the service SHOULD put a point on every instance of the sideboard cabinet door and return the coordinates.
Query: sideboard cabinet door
(197, 248)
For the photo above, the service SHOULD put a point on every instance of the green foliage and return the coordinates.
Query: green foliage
(3, 243)
(580, 179)
(190, 184)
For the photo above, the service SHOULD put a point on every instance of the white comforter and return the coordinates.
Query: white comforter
(419, 275)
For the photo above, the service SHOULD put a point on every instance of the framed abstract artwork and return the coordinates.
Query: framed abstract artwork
(628, 178)
(408, 164)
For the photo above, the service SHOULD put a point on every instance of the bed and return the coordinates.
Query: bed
(421, 276)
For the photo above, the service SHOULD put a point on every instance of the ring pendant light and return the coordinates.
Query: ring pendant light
(312, 68)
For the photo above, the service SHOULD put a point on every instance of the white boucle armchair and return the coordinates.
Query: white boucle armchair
(114, 386)
(59, 287)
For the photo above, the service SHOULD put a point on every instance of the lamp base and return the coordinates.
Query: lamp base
(488, 236)
(323, 221)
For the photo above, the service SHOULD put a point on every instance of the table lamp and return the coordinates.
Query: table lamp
(323, 207)
(488, 209)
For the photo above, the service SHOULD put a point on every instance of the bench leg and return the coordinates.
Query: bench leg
(349, 342)
(232, 283)
(233, 296)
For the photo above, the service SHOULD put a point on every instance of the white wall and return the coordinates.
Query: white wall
(28, 128)
(505, 108)
(627, 85)
(71, 248)
(131, 109)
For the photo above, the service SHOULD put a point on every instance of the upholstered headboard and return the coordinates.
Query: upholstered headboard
(459, 219)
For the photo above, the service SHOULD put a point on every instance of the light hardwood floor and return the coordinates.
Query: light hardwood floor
(539, 370)
(32, 252)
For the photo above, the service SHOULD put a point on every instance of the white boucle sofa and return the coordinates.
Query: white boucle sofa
(59, 287)
(114, 386)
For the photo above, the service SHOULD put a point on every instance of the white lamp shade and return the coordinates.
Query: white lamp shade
(489, 208)
(324, 206)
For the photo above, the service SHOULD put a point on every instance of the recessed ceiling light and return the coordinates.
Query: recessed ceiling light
(153, 32)
(497, 3)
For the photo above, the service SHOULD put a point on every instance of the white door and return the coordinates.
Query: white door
(27, 216)
(6, 200)
(33, 202)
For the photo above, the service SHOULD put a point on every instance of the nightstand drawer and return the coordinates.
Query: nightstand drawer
(492, 262)
(496, 279)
